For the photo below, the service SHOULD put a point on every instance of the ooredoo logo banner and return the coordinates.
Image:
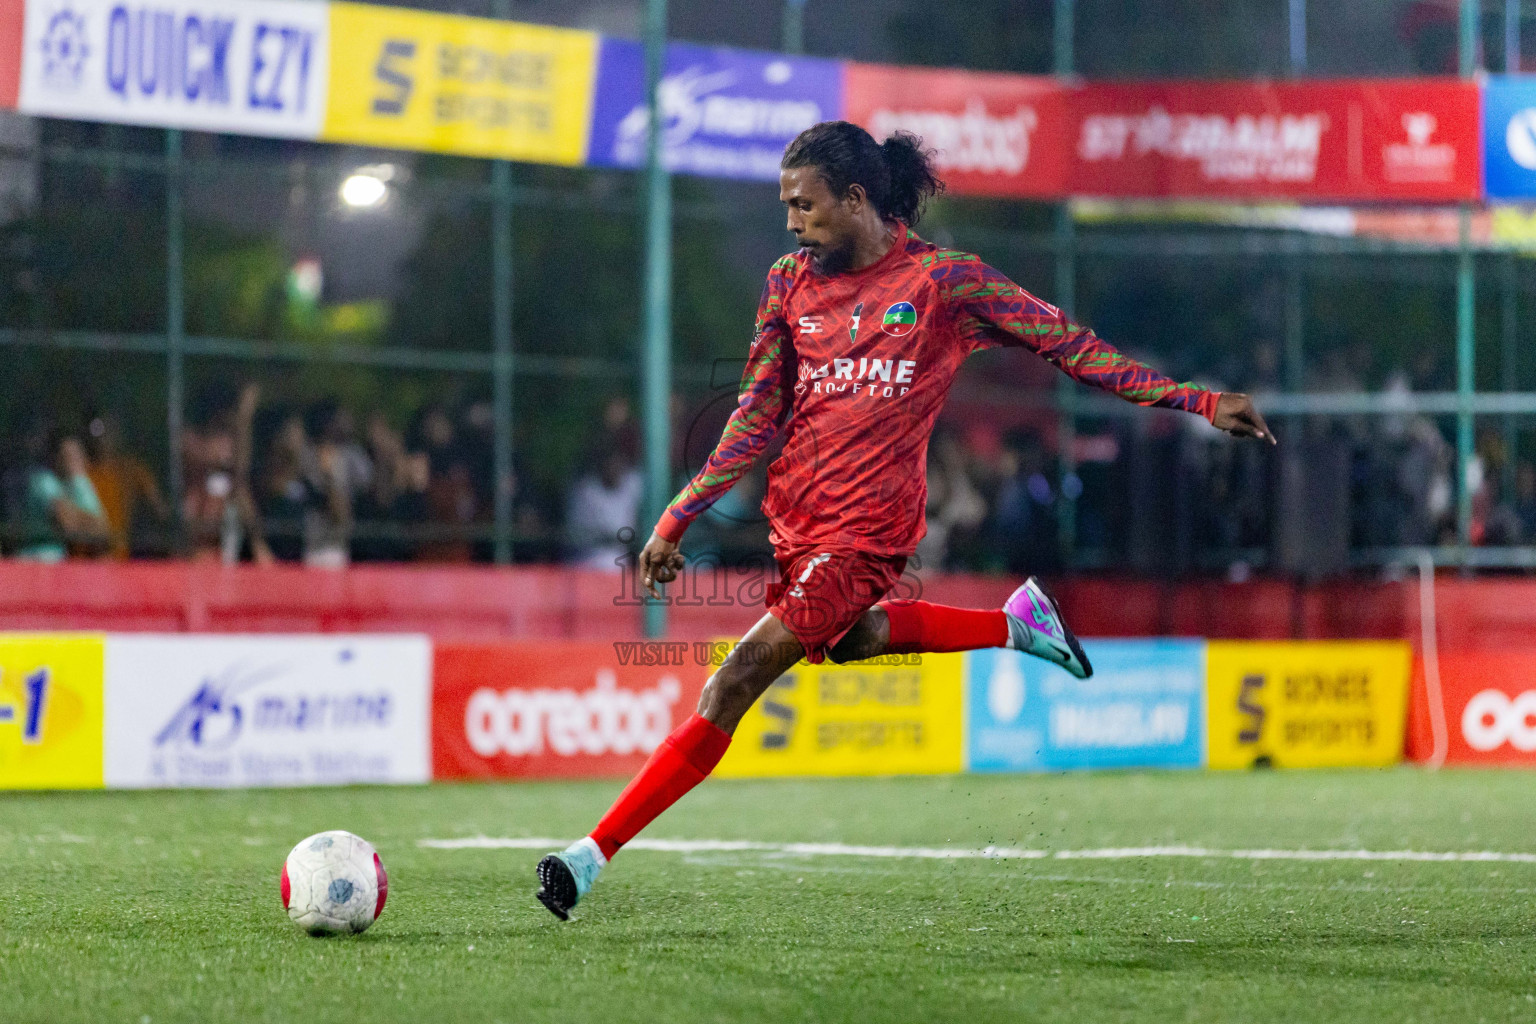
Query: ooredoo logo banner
(994, 134)
(556, 710)
(1489, 704)
(210, 711)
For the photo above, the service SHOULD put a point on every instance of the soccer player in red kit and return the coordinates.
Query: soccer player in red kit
(859, 336)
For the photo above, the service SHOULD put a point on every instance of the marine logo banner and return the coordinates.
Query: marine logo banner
(452, 84)
(727, 113)
(209, 711)
(250, 67)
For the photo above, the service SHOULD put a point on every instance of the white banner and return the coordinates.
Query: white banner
(266, 711)
(252, 67)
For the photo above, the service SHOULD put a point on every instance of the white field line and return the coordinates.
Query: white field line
(989, 852)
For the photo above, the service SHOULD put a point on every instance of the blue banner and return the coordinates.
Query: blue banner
(728, 113)
(1143, 708)
(1509, 137)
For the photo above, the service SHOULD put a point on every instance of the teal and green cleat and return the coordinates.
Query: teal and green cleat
(564, 878)
(1035, 626)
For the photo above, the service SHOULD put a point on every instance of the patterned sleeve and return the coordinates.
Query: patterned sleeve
(991, 310)
(761, 407)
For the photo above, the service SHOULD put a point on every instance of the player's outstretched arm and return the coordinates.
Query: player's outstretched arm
(991, 310)
(762, 405)
(1236, 415)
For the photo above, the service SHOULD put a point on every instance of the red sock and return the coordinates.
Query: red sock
(918, 627)
(680, 763)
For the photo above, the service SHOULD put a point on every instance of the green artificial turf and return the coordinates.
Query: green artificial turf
(164, 906)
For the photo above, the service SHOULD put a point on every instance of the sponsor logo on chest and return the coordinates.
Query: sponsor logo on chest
(864, 377)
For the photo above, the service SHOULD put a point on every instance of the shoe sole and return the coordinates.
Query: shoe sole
(1066, 631)
(557, 887)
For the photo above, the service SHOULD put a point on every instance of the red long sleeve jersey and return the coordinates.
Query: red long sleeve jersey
(856, 366)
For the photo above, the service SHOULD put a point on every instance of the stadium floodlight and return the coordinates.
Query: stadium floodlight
(367, 187)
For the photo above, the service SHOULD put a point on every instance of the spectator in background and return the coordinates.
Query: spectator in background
(62, 510)
(218, 507)
(1023, 526)
(450, 496)
(123, 483)
(335, 433)
(602, 504)
(956, 507)
(397, 498)
(208, 474)
(1525, 500)
(304, 500)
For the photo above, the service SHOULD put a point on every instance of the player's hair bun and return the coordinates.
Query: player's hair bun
(913, 181)
(897, 175)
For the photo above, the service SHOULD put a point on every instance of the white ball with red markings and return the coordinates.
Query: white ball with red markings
(334, 883)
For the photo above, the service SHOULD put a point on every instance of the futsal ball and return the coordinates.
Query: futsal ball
(334, 883)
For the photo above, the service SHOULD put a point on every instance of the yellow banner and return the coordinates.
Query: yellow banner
(898, 716)
(1318, 704)
(451, 84)
(51, 712)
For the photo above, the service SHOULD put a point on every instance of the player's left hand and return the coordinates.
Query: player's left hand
(1236, 415)
(659, 563)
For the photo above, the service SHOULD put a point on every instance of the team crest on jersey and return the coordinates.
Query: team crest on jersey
(900, 319)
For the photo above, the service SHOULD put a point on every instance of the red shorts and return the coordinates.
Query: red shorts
(820, 594)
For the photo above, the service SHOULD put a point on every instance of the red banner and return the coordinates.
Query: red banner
(1343, 141)
(1490, 709)
(12, 17)
(999, 135)
(558, 710)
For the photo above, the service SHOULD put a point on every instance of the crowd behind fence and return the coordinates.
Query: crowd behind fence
(327, 485)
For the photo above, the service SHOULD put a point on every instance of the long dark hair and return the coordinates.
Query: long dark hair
(897, 174)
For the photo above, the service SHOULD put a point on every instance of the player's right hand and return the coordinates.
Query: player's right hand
(659, 563)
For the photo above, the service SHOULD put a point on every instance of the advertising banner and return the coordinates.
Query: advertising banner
(898, 715)
(50, 711)
(1509, 136)
(266, 711)
(1143, 708)
(1338, 141)
(558, 710)
(452, 84)
(994, 134)
(1490, 708)
(728, 113)
(249, 67)
(12, 24)
(1316, 704)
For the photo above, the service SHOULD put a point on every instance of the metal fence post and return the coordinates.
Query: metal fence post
(794, 26)
(175, 321)
(657, 358)
(1066, 298)
(1466, 306)
(501, 359)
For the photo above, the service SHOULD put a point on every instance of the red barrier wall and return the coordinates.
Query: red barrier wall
(549, 602)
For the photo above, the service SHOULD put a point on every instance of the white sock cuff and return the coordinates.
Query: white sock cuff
(590, 844)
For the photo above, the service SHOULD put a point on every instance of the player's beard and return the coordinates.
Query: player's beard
(827, 261)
